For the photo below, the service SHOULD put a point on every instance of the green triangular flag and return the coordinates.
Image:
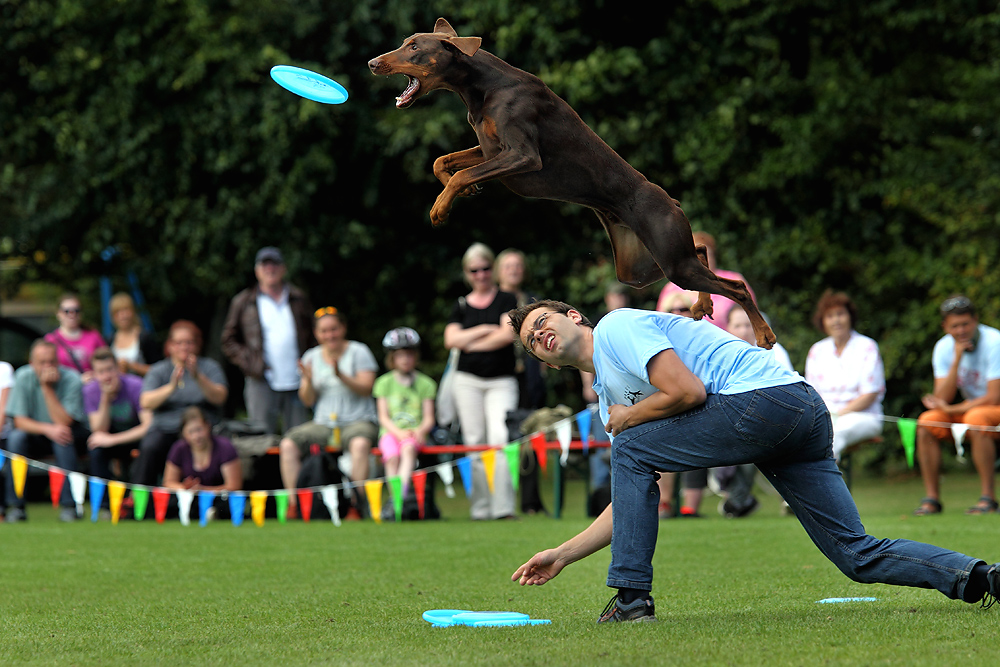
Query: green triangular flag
(396, 491)
(281, 501)
(140, 498)
(908, 433)
(513, 452)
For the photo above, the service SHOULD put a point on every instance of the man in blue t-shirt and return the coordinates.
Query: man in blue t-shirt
(678, 394)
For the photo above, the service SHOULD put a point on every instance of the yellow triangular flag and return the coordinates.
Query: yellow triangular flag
(489, 464)
(116, 491)
(258, 500)
(19, 469)
(373, 489)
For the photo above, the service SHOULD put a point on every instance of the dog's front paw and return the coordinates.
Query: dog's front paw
(766, 338)
(441, 210)
(703, 307)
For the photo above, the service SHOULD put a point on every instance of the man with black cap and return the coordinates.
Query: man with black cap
(267, 329)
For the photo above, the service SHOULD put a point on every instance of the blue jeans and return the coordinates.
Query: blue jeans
(20, 442)
(786, 432)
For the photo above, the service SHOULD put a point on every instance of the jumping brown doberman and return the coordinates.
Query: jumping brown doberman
(534, 143)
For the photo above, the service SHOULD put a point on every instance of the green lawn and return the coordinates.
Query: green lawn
(727, 592)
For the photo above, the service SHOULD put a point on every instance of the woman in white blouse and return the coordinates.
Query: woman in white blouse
(846, 369)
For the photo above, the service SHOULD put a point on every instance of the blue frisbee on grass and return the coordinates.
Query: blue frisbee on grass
(308, 84)
(445, 618)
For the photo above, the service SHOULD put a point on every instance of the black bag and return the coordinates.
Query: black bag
(320, 468)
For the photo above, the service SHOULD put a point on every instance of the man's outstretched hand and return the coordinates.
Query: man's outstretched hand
(542, 567)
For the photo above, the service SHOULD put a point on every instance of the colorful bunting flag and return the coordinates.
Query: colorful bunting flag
(237, 507)
(206, 499)
(56, 480)
(908, 434)
(258, 501)
(184, 499)
(331, 498)
(489, 458)
(78, 489)
(447, 476)
(464, 466)
(19, 469)
(583, 424)
(564, 434)
(2, 457)
(305, 497)
(958, 435)
(97, 486)
(396, 493)
(419, 481)
(373, 489)
(513, 454)
(116, 492)
(161, 499)
(140, 499)
(281, 503)
(538, 444)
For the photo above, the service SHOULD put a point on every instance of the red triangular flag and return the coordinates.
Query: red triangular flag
(305, 503)
(56, 479)
(419, 481)
(161, 498)
(538, 444)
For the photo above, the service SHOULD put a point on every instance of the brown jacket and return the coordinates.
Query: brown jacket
(242, 338)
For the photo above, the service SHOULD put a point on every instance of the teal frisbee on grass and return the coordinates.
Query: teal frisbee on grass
(444, 618)
(308, 84)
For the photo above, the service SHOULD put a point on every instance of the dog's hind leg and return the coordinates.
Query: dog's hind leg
(634, 266)
(704, 306)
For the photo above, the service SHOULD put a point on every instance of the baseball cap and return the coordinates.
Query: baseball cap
(270, 253)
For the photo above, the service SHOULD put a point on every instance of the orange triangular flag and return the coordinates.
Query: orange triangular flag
(56, 480)
(161, 498)
(419, 480)
(538, 444)
(305, 503)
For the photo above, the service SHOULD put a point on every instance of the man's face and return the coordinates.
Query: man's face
(44, 360)
(105, 371)
(961, 327)
(269, 273)
(552, 337)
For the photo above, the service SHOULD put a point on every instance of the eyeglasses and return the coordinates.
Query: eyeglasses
(955, 303)
(70, 311)
(322, 312)
(480, 270)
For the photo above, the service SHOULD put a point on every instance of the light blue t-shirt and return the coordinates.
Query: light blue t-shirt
(626, 339)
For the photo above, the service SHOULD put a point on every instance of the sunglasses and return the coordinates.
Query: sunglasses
(480, 270)
(955, 303)
(70, 311)
(322, 312)
(680, 311)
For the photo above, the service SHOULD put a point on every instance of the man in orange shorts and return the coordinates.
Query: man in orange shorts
(967, 361)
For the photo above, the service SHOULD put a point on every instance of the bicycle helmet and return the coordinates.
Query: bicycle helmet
(401, 338)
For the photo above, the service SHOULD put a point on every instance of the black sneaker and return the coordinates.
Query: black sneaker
(727, 509)
(639, 610)
(993, 579)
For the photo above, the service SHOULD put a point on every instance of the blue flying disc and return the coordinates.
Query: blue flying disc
(309, 84)
(444, 618)
(836, 600)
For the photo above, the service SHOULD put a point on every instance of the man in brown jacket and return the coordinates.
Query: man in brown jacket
(267, 329)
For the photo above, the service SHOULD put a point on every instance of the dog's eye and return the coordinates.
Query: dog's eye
(414, 47)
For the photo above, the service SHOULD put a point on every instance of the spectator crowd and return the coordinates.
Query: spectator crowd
(151, 415)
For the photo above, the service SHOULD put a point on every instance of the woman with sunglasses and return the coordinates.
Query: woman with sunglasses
(485, 384)
(74, 342)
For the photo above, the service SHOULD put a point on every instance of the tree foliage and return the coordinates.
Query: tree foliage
(825, 144)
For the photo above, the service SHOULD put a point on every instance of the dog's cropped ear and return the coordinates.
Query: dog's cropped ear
(442, 26)
(467, 45)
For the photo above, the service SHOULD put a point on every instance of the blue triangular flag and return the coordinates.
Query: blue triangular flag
(583, 420)
(465, 469)
(237, 505)
(205, 500)
(97, 486)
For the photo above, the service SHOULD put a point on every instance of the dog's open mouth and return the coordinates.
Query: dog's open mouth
(408, 95)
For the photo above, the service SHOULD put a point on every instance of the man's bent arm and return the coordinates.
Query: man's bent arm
(678, 390)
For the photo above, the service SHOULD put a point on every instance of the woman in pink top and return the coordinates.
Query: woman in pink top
(720, 304)
(74, 342)
(846, 369)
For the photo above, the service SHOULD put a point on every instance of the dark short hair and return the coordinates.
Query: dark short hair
(41, 342)
(957, 304)
(517, 315)
(102, 354)
(831, 299)
(192, 413)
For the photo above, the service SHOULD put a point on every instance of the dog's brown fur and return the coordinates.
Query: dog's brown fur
(535, 144)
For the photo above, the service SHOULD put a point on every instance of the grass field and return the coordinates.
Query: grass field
(727, 592)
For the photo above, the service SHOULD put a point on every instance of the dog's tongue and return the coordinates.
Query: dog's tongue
(407, 96)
